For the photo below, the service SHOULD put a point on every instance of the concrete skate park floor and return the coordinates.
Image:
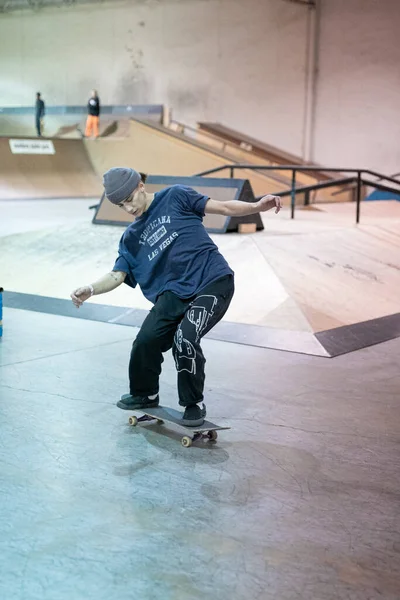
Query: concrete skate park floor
(296, 282)
(299, 500)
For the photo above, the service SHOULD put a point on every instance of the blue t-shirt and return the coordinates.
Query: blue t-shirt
(168, 248)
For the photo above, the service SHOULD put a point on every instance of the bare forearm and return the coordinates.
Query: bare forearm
(101, 286)
(108, 282)
(241, 209)
(236, 208)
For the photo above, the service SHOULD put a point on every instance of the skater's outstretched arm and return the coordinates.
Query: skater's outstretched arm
(101, 286)
(236, 208)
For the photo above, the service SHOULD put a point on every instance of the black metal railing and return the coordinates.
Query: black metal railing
(358, 178)
(348, 188)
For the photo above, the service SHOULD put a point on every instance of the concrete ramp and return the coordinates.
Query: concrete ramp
(311, 286)
(338, 278)
(68, 173)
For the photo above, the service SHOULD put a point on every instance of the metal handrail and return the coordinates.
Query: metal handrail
(351, 187)
(357, 177)
(297, 168)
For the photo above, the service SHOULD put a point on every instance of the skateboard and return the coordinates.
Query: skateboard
(165, 414)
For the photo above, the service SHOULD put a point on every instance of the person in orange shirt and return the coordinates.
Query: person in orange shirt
(92, 122)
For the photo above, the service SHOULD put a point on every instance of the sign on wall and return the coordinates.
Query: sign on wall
(32, 147)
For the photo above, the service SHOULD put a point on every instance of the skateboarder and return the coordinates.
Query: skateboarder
(169, 254)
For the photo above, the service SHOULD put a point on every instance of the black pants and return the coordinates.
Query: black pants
(178, 324)
(38, 125)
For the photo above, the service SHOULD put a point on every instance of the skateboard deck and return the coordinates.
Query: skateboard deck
(165, 414)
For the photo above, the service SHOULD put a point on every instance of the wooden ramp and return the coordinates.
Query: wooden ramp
(254, 147)
(68, 173)
(246, 149)
(154, 149)
(70, 126)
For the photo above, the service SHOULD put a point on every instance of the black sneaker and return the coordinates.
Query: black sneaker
(194, 415)
(129, 402)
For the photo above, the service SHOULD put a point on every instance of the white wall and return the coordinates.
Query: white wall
(358, 102)
(240, 62)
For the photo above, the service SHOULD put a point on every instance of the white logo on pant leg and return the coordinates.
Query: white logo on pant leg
(185, 354)
(199, 313)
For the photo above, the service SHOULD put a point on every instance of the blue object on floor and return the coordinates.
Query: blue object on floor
(1, 312)
(382, 195)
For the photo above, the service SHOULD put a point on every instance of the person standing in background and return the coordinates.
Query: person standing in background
(39, 114)
(92, 122)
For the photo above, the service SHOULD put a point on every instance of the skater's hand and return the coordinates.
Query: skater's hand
(268, 202)
(81, 294)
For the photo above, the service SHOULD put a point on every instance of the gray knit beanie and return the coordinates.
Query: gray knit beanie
(119, 183)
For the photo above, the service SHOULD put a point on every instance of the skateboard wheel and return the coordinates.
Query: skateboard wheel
(186, 441)
(133, 421)
(212, 435)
